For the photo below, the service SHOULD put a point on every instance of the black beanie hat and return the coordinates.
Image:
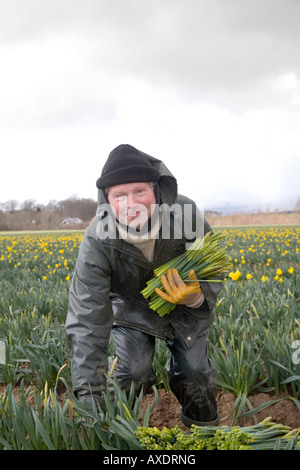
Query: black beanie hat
(126, 164)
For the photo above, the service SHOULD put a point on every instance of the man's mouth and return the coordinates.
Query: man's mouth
(134, 215)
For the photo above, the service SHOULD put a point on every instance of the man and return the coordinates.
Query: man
(141, 223)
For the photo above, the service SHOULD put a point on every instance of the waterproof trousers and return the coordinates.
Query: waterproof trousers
(190, 371)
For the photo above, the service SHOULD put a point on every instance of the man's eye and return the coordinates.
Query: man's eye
(120, 197)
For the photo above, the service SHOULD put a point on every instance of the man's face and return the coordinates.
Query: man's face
(132, 203)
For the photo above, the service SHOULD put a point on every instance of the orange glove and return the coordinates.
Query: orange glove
(179, 292)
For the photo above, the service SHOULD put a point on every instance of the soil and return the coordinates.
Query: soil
(167, 411)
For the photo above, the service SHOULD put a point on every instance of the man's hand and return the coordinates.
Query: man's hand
(177, 291)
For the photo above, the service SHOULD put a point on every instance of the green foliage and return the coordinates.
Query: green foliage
(252, 340)
(40, 421)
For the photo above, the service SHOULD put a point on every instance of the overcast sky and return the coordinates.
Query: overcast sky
(211, 87)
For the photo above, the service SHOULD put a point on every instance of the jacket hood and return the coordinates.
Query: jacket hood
(167, 183)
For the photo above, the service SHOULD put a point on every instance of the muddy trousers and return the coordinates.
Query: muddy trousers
(191, 373)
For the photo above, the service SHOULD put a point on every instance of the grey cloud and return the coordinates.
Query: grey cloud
(223, 52)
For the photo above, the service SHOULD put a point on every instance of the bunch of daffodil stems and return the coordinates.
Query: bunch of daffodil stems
(266, 435)
(205, 256)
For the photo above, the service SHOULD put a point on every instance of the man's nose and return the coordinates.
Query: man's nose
(131, 200)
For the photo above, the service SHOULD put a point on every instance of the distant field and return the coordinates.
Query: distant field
(263, 218)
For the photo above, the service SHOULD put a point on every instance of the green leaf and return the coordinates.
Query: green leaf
(43, 433)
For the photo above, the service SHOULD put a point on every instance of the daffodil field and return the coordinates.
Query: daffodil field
(254, 341)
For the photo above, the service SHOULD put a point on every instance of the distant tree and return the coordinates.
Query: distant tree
(29, 205)
(73, 207)
(32, 215)
(3, 221)
(11, 205)
(88, 209)
(52, 205)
